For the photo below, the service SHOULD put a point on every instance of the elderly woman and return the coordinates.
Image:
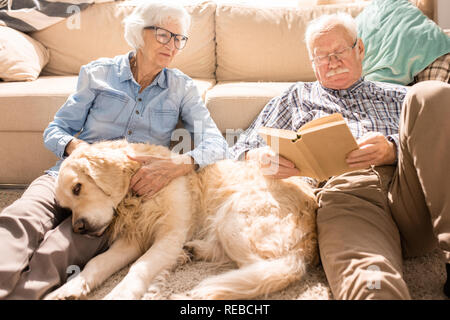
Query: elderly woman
(132, 96)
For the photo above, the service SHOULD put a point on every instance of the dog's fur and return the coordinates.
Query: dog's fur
(225, 212)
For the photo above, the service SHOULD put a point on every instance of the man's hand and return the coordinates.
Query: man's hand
(374, 149)
(272, 165)
(158, 172)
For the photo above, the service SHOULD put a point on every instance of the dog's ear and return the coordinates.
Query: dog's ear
(107, 171)
(94, 170)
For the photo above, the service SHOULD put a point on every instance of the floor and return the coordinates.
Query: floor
(424, 275)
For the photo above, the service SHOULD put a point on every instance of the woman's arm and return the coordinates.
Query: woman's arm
(209, 144)
(70, 118)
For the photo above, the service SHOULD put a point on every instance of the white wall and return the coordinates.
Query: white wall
(443, 13)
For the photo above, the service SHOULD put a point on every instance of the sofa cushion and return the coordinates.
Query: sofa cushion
(21, 57)
(39, 100)
(29, 106)
(100, 33)
(267, 43)
(24, 157)
(326, 2)
(234, 105)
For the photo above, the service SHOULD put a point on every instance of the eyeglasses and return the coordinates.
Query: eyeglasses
(343, 54)
(164, 36)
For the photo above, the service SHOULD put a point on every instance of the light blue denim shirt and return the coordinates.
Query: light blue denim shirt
(107, 105)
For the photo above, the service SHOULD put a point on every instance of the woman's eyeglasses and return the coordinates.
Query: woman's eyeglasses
(164, 36)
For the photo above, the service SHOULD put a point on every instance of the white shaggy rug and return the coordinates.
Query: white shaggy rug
(424, 275)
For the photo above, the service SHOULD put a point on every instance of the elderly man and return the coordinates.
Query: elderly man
(396, 201)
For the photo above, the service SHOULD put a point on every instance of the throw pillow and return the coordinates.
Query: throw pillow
(21, 57)
(400, 41)
(438, 70)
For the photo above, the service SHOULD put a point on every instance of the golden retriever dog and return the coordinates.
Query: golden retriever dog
(225, 212)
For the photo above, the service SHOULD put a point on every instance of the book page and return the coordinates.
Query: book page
(330, 144)
(283, 142)
(321, 121)
(321, 127)
(285, 134)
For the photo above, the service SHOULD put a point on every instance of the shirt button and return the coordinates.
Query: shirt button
(137, 111)
(139, 99)
(130, 132)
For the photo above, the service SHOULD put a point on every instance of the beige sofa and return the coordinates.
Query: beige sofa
(239, 56)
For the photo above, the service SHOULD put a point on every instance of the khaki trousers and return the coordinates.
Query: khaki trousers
(38, 249)
(368, 219)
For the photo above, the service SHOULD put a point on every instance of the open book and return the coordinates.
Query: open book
(318, 148)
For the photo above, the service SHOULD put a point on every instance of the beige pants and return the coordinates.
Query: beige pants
(368, 218)
(38, 249)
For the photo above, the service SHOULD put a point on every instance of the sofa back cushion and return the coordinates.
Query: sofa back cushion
(267, 43)
(98, 32)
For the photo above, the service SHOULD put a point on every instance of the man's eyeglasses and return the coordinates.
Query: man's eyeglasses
(164, 36)
(343, 54)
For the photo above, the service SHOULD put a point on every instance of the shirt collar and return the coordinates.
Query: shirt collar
(125, 68)
(126, 74)
(161, 79)
(355, 87)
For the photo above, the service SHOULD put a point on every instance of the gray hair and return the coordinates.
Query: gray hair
(152, 13)
(327, 22)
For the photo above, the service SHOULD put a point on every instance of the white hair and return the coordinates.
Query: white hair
(327, 22)
(152, 13)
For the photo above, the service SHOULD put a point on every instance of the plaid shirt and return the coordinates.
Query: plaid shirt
(366, 106)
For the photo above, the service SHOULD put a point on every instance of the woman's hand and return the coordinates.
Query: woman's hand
(271, 164)
(374, 149)
(72, 145)
(158, 172)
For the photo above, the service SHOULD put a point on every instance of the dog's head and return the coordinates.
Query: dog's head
(92, 182)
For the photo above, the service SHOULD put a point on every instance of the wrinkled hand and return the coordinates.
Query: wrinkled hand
(158, 172)
(73, 144)
(272, 165)
(374, 149)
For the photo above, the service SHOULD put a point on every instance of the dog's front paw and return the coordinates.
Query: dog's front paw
(77, 288)
(126, 290)
(180, 296)
(199, 250)
(121, 295)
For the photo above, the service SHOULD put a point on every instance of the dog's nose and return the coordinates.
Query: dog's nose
(80, 226)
